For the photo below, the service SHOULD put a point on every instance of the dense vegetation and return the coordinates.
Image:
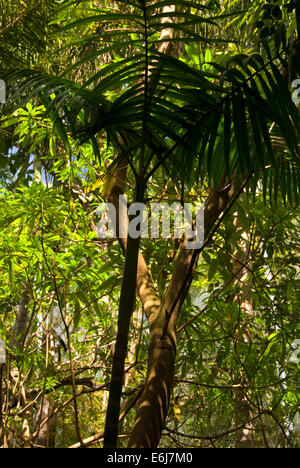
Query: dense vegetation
(143, 342)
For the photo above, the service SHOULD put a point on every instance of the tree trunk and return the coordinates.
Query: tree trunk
(245, 435)
(154, 402)
(46, 434)
(126, 306)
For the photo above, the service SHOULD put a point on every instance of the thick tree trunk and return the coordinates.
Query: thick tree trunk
(154, 402)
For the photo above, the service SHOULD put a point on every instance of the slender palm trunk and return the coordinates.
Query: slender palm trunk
(126, 306)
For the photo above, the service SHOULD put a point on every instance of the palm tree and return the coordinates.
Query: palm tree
(225, 126)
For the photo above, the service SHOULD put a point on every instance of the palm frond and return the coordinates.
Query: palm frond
(219, 121)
